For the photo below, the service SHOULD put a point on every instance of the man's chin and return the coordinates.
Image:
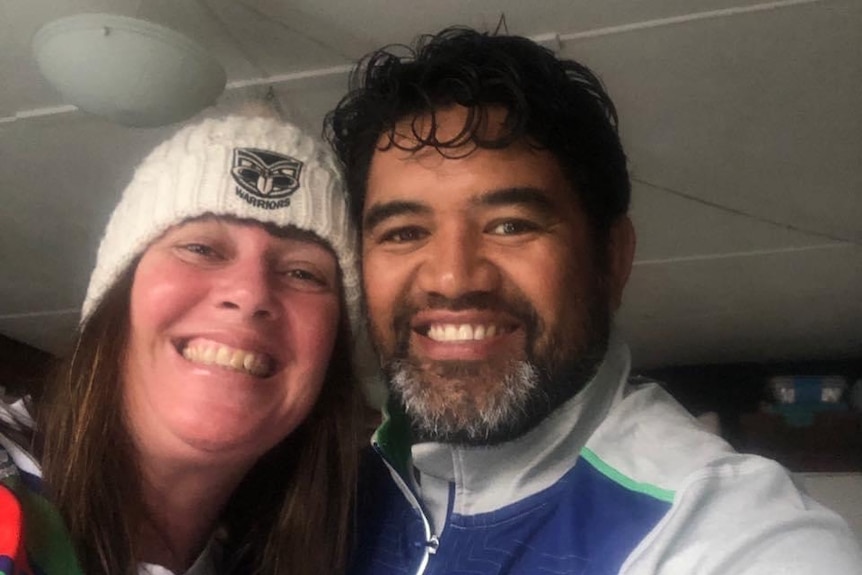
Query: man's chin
(482, 403)
(467, 402)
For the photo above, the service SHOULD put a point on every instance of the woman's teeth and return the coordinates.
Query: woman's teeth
(462, 332)
(257, 364)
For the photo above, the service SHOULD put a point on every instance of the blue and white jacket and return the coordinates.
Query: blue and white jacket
(620, 479)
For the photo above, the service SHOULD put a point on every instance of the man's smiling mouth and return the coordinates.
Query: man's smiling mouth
(454, 332)
(208, 352)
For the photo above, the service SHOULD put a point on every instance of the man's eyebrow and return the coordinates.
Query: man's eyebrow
(378, 213)
(526, 196)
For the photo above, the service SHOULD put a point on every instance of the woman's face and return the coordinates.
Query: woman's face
(231, 333)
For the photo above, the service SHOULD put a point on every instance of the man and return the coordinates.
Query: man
(492, 192)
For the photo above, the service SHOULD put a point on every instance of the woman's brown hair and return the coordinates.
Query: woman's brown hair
(292, 511)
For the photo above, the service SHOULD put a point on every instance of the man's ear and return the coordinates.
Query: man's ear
(621, 253)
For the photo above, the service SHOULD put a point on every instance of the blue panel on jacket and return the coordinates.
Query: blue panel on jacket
(585, 524)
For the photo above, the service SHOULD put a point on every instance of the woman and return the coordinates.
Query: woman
(200, 426)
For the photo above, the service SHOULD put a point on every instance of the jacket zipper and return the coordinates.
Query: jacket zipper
(431, 541)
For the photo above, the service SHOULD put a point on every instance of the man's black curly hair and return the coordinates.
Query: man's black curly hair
(558, 105)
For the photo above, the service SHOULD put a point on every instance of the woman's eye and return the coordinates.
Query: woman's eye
(305, 277)
(513, 227)
(200, 249)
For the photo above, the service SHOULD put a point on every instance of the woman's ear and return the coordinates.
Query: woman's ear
(621, 253)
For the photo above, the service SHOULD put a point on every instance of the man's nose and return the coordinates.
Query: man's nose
(457, 264)
(247, 288)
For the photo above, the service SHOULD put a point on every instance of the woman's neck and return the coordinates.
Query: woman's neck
(183, 504)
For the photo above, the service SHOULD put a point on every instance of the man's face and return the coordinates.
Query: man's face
(485, 300)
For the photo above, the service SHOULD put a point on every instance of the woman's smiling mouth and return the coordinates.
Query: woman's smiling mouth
(208, 352)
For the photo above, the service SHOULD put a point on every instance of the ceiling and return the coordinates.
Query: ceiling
(741, 120)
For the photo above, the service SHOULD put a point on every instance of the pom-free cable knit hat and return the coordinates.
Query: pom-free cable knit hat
(257, 168)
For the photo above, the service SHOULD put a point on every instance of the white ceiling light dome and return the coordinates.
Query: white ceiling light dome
(132, 72)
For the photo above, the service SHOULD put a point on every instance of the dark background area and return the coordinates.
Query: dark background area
(738, 393)
(22, 368)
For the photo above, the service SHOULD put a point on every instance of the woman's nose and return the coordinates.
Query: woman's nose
(247, 288)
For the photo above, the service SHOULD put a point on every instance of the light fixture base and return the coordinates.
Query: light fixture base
(132, 72)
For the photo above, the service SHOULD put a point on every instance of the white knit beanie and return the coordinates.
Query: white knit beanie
(252, 168)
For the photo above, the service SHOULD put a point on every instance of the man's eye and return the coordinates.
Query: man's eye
(513, 227)
(403, 235)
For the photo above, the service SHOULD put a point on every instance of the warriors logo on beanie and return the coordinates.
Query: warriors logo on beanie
(258, 168)
(265, 179)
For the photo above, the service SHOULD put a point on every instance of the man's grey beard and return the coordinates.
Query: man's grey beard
(527, 396)
(487, 402)
(473, 425)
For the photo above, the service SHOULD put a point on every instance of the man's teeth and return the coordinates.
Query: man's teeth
(237, 359)
(461, 332)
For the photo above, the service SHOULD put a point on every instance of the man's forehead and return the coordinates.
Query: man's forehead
(442, 146)
(424, 182)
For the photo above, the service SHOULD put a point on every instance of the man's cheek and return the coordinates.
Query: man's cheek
(382, 335)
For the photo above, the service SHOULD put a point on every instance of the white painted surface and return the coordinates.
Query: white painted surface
(841, 492)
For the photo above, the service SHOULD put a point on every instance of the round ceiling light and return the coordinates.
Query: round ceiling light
(130, 71)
